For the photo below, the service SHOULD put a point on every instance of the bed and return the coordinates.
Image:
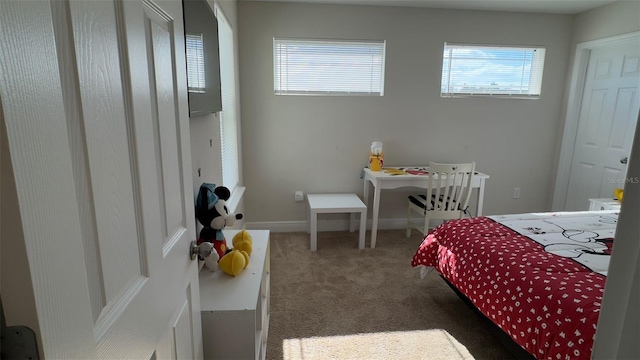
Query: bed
(539, 277)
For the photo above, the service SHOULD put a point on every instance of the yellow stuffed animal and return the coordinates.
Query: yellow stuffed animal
(233, 262)
(243, 241)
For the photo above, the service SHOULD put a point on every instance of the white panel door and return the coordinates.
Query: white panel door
(94, 99)
(607, 121)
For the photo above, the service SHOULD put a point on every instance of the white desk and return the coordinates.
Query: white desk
(381, 180)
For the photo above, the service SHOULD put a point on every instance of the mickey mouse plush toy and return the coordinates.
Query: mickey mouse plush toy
(213, 214)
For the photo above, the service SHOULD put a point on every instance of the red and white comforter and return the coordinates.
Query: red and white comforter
(539, 277)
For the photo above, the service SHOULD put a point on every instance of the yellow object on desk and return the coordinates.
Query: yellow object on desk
(376, 161)
(618, 194)
(376, 156)
(394, 171)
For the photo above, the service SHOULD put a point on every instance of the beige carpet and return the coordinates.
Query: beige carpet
(344, 303)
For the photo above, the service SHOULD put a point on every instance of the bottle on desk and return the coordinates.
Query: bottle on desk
(376, 156)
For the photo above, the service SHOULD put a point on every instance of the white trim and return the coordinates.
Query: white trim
(326, 225)
(235, 199)
(573, 112)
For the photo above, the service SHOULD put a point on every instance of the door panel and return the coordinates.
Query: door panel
(97, 121)
(177, 342)
(166, 347)
(104, 119)
(592, 117)
(78, 146)
(620, 126)
(182, 332)
(159, 35)
(607, 122)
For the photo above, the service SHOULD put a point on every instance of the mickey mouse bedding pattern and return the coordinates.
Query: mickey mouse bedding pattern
(539, 277)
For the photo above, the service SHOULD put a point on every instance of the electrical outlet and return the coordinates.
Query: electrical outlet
(299, 196)
(516, 193)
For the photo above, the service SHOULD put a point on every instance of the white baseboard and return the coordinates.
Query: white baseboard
(326, 225)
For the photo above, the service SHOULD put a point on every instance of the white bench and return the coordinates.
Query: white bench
(335, 203)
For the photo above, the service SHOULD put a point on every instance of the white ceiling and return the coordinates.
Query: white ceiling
(539, 6)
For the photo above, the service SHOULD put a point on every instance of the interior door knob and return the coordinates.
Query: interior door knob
(624, 160)
(203, 250)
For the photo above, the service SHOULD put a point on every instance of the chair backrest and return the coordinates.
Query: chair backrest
(449, 186)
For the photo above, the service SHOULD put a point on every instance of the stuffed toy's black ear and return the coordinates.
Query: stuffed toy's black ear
(222, 192)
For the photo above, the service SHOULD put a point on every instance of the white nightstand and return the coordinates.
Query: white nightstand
(603, 204)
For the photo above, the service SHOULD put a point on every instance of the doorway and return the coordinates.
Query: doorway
(601, 119)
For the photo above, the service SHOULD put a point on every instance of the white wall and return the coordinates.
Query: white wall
(319, 144)
(618, 18)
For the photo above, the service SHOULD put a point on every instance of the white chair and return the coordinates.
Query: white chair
(447, 195)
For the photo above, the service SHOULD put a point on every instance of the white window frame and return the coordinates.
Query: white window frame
(529, 66)
(328, 67)
(229, 137)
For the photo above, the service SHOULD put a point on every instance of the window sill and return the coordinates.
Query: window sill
(236, 198)
(493, 96)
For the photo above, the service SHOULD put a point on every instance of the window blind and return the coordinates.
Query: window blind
(228, 115)
(328, 67)
(497, 71)
(195, 63)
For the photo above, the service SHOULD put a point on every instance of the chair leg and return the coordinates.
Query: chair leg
(427, 218)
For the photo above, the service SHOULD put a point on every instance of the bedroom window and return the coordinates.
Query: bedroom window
(491, 71)
(328, 67)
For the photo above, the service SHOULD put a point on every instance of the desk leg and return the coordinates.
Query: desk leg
(366, 192)
(374, 221)
(480, 198)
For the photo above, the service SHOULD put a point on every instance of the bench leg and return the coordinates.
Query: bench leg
(352, 222)
(363, 228)
(308, 220)
(314, 230)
